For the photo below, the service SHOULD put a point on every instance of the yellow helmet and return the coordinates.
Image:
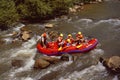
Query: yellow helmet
(79, 33)
(68, 40)
(61, 35)
(69, 35)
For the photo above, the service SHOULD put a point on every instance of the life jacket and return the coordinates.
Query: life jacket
(59, 39)
(69, 41)
(43, 41)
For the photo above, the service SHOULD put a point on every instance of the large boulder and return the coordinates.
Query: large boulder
(69, 57)
(45, 61)
(49, 25)
(72, 10)
(50, 59)
(40, 63)
(25, 35)
(24, 28)
(112, 63)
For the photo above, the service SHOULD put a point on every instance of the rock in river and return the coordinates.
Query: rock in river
(40, 63)
(45, 61)
(112, 63)
(49, 25)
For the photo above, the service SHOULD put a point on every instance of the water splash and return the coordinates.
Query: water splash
(83, 23)
(51, 69)
(89, 73)
(85, 20)
(115, 78)
(17, 28)
(7, 40)
(28, 78)
(97, 52)
(27, 54)
(114, 22)
(7, 35)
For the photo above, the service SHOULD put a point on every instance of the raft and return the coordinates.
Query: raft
(52, 48)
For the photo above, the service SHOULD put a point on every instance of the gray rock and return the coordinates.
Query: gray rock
(40, 63)
(65, 57)
(112, 63)
(25, 35)
(50, 59)
(49, 25)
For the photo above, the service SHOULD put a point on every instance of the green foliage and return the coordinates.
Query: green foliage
(14, 10)
(82, 1)
(33, 9)
(60, 6)
(8, 13)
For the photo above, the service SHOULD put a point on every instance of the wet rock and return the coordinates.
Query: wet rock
(76, 8)
(25, 35)
(40, 63)
(112, 63)
(72, 10)
(99, 0)
(50, 59)
(69, 57)
(65, 57)
(14, 33)
(17, 63)
(24, 29)
(45, 61)
(49, 25)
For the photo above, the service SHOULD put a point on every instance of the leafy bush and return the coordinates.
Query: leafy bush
(14, 10)
(8, 14)
(32, 9)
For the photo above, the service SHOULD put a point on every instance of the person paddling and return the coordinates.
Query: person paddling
(69, 40)
(79, 38)
(43, 39)
(60, 42)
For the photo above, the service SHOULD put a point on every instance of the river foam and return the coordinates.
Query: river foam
(27, 54)
(114, 22)
(52, 69)
(89, 73)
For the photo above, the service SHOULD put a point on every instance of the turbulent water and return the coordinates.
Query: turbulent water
(101, 21)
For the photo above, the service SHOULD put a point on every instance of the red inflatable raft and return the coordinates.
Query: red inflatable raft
(52, 48)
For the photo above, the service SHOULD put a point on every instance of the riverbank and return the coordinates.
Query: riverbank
(30, 11)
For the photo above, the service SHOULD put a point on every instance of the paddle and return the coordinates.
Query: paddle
(78, 46)
(62, 48)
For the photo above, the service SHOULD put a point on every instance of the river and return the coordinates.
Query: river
(101, 21)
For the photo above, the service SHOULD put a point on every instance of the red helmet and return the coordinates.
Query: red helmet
(44, 34)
